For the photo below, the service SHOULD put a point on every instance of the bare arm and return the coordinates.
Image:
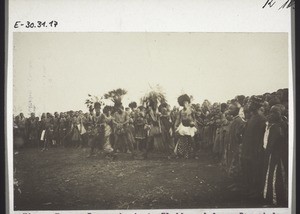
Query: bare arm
(178, 120)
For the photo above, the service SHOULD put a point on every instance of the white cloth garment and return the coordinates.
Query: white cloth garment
(266, 135)
(186, 130)
(241, 113)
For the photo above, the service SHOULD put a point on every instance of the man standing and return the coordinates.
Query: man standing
(235, 139)
(95, 133)
(32, 124)
(252, 149)
(21, 123)
(276, 158)
(62, 129)
(55, 122)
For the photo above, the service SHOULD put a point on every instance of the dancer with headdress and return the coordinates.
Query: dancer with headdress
(134, 110)
(106, 126)
(185, 128)
(155, 132)
(95, 132)
(166, 127)
(120, 121)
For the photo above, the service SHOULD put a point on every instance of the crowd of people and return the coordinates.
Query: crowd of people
(248, 136)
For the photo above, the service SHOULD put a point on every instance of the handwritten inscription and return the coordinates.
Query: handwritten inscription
(281, 5)
(36, 24)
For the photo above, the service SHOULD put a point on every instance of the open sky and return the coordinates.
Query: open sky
(56, 71)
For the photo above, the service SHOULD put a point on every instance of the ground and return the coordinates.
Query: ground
(65, 179)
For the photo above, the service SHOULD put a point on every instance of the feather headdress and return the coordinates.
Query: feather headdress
(116, 95)
(94, 102)
(153, 98)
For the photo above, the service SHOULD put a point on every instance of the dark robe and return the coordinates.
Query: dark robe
(252, 153)
(235, 140)
(276, 165)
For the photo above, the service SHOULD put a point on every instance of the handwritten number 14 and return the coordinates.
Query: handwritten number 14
(270, 3)
(287, 4)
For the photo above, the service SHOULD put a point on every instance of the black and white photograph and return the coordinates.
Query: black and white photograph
(150, 107)
(150, 120)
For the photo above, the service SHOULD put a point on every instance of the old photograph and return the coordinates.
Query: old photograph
(140, 120)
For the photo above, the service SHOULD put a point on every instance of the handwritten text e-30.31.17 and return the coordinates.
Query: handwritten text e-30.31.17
(36, 24)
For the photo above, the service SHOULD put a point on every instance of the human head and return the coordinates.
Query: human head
(223, 107)
(142, 109)
(279, 94)
(164, 111)
(266, 107)
(266, 96)
(121, 109)
(186, 104)
(228, 115)
(276, 113)
(240, 99)
(255, 103)
(261, 111)
(184, 100)
(132, 105)
(97, 107)
(161, 106)
(107, 110)
(233, 110)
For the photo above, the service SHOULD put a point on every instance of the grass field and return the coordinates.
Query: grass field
(65, 179)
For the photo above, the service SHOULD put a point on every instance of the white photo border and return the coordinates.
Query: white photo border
(149, 16)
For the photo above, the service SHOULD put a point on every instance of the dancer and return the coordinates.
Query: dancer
(185, 128)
